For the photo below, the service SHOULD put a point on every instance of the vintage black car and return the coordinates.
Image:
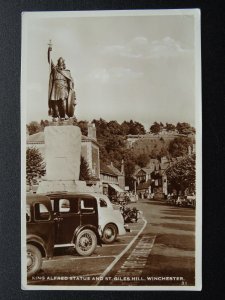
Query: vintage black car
(59, 222)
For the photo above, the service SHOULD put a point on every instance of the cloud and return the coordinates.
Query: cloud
(115, 73)
(141, 47)
(164, 48)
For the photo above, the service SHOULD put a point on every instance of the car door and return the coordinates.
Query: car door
(89, 211)
(67, 219)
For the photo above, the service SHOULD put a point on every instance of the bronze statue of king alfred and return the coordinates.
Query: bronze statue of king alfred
(61, 96)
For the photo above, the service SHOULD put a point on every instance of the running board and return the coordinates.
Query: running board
(64, 245)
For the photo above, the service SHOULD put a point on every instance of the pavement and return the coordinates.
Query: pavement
(159, 250)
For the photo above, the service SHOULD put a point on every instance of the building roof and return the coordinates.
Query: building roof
(85, 138)
(116, 187)
(115, 170)
(104, 169)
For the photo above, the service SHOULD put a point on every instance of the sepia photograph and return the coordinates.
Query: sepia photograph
(111, 117)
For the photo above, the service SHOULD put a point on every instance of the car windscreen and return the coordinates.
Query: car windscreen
(41, 212)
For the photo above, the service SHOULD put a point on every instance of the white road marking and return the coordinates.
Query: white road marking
(118, 257)
(134, 265)
(79, 258)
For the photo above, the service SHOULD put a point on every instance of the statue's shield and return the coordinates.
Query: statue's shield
(71, 103)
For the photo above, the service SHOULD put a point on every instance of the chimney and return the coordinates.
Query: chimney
(91, 131)
(122, 167)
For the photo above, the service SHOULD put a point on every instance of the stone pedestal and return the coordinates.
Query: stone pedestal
(62, 156)
(48, 186)
(62, 152)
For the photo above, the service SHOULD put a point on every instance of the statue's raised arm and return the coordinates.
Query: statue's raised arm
(49, 51)
(61, 99)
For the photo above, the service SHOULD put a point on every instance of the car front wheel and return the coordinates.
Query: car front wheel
(34, 260)
(86, 242)
(109, 233)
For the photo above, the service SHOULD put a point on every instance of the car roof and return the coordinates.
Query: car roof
(37, 198)
(56, 194)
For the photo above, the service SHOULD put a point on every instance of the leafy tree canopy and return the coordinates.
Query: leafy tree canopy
(155, 128)
(84, 170)
(170, 127)
(142, 160)
(83, 127)
(34, 127)
(35, 166)
(181, 175)
(185, 128)
(179, 146)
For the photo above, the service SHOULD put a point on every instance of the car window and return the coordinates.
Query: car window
(28, 213)
(68, 205)
(41, 213)
(64, 205)
(87, 206)
(103, 203)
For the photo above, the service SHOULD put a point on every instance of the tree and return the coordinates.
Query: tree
(181, 174)
(136, 128)
(114, 142)
(101, 128)
(179, 146)
(33, 127)
(161, 126)
(185, 128)
(170, 127)
(84, 170)
(129, 168)
(83, 127)
(35, 166)
(43, 124)
(155, 128)
(142, 160)
(114, 127)
(125, 128)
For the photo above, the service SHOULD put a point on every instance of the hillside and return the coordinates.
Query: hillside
(154, 145)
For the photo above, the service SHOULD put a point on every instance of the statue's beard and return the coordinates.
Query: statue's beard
(61, 66)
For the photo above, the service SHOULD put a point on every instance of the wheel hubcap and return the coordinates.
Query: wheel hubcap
(108, 232)
(30, 260)
(85, 242)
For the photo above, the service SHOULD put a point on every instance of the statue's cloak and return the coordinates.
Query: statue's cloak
(71, 99)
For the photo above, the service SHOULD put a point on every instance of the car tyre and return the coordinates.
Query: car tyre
(109, 234)
(34, 260)
(86, 242)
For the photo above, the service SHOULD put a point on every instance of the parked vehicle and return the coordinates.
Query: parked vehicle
(61, 226)
(191, 201)
(69, 219)
(130, 215)
(181, 201)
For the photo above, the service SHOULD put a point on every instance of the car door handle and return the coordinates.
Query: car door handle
(58, 219)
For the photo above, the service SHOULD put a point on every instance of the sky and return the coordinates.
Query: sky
(136, 66)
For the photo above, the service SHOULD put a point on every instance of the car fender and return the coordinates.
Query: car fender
(38, 242)
(83, 227)
(115, 218)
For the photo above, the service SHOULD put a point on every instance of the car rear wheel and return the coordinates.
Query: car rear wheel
(109, 233)
(34, 260)
(86, 242)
